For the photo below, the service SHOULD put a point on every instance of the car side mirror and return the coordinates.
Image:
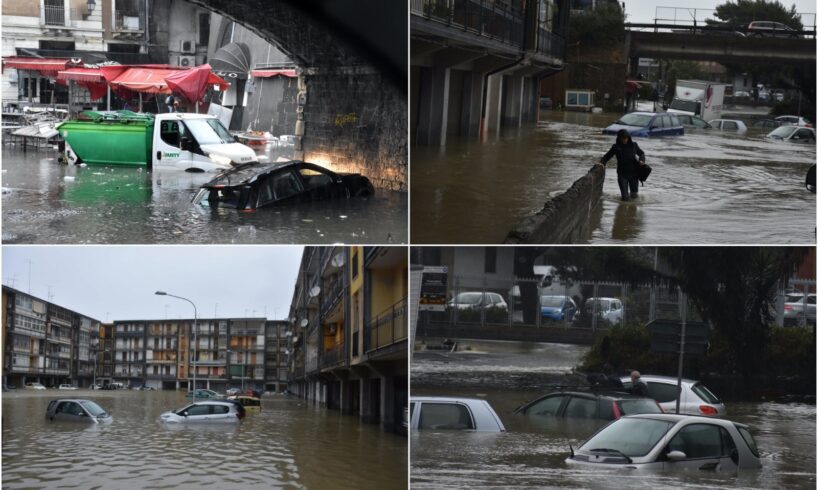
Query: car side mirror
(676, 456)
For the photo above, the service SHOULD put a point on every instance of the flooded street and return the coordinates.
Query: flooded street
(290, 444)
(532, 452)
(706, 186)
(45, 202)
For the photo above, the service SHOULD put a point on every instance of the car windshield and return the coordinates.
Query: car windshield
(783, 131)
(642, 405)
(684, 105)
(92, 408)
(552, 301)
(468, 298)
(640, 120)
(632, 437)
(705, 394)
(208, 131)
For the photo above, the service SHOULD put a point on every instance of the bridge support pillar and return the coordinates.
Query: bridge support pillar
(531, 100)
(512, 101)
(494, 87)
(472, 104)
(433, 112)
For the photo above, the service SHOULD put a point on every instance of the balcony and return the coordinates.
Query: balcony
(332, 295)
(333, 357)
(59, 339)
(387, 328)
(130, 333)
(129, 17)
(485, 18)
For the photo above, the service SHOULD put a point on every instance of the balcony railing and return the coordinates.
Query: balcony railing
(54, 15)
(550, 43)
(482, 17)
(332, 295)
(333, 356)
(387, 328)
(129, 20)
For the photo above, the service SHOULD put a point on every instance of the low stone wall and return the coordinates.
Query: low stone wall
(521, 333)
(565, 218)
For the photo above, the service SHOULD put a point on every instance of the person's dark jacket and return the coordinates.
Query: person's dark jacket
(640, 388)
(627, 156)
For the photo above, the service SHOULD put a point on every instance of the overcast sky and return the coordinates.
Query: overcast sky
(640, 11)
(119, 281)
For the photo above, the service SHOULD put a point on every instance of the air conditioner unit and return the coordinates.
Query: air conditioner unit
(187, 46)
(187, 61)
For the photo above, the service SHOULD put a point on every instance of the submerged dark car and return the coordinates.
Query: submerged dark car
(253, 186)
(606, 406)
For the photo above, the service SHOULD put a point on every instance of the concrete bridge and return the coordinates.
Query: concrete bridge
(704, 46)
(352, 67)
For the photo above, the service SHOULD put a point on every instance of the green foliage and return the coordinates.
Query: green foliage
(741, 12)
(626, 348)
(792, 351)
(605, 24)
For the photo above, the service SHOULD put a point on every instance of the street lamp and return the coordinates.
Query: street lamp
(195, 335)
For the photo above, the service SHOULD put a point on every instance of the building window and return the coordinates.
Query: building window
(204, 29)
(491, 260)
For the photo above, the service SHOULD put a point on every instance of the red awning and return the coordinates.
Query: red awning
(192, 84)
(48, 67)
(81, 74)
(273, 73)
(152, 79)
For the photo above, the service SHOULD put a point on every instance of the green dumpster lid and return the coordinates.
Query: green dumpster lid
(119, 116)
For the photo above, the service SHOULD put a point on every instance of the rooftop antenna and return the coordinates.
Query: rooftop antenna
(29, 275)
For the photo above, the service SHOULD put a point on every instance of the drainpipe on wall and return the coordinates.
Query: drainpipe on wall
(301, 102)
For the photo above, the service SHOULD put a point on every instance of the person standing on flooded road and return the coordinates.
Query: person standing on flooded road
(629, 157)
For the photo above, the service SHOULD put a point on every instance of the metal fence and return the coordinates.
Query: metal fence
(482, 17)
(596, 305)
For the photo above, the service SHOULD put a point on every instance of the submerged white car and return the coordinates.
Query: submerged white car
(669, 442)
(696, 399)
(211, 412)
(453, 413)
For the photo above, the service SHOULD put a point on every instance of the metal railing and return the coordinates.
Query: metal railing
(332, 356)
(125, 21)
(482, 17)
(550, 43)
(388, 327)
(332, 295)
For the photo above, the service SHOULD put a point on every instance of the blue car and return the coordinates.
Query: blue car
(647, 124)
(560, 308)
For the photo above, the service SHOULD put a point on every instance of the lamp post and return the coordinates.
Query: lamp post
(195, 334)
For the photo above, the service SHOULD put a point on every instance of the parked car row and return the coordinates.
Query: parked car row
(641, 434)
(654, 124)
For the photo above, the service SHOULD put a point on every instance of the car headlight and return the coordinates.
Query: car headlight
(220, 159)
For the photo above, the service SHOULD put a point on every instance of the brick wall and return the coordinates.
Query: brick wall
(357, 123)
(566, 218)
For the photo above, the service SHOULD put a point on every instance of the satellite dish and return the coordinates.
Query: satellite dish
(338, 260)
(305, 322)
(292, 319)
(314, 291)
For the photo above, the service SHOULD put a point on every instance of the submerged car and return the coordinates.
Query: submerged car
(696, 398)
(253, 186)
(604, 406)
(67, 387)
(794, 309)
(251, 404)
(695, 122)
(766, 124)
(647, 124)
(729, 125)
(670, 442)
(34, 386)
(793, 134)
(453, 413)
(212, 412)
(76, 410)
(202, 393)
(608, 310)
(793, 121)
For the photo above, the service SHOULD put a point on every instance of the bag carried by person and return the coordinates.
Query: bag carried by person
(643, 172)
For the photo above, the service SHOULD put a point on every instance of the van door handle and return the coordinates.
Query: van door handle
(158, 155)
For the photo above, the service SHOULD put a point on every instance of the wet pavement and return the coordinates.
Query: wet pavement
(290, 444)
(46, 202)
(532, 452)
(706, 187)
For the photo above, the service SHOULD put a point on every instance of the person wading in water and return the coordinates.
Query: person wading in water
(629, 157)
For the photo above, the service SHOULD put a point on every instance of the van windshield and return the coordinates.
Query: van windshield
(685, 105)
(209, 131)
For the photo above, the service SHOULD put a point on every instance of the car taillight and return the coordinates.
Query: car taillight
(662, 410)
(787, 307)
(707, 410)
(616, 411)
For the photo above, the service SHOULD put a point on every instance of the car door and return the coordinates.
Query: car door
(167, 146)
(582, 407)
(198, 413)
(706, 447)
(70, 412)
(219, 413)
(549, 406)
(803, 135)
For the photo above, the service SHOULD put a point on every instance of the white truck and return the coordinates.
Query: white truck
(698, 98)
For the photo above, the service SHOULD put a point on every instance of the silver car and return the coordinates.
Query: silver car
(453, 413)
(211, 412)
(76, 410)
(794, 309)
(670, 442)
(696, 398)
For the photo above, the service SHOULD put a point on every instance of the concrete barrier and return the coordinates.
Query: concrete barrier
(521, 333)
(565, 218)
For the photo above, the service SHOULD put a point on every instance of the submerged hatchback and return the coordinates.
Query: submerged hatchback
(254, 186)
(211, 412)
(696, 398)
(76, 410)
(670, 442)
(603, 406)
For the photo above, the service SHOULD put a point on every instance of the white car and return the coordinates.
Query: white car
(475, 300)
(453, 413)
(609, 310)
(211, 412)
(793, 121)
(729, 125)
(793, 134)
(34, 386)
(696, 398)
(794, 309)
(669, 442)
(67, 387)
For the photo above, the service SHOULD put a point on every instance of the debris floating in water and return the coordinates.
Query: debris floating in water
(343, 216)
(69, 178)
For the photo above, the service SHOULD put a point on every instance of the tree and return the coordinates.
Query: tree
(741, 12)
(603, 25)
